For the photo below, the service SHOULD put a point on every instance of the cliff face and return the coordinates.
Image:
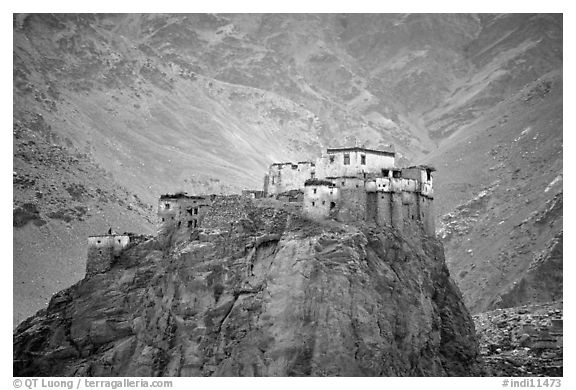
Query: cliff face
(288, 297)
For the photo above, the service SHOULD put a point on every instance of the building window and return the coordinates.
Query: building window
(162, 219)
(396, 174)
(343, 183)
(195, 210)
(332, 205)
(167, 205)
(190, 223)
(331, 159)
(346, 158)
(363, 159)
(99, 241)
(385, 172)
(314, 190)
(313, 203)
(272, 179)
(323, 202)
(312, 174)
(428, 174)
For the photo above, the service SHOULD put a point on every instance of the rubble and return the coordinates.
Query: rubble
(522, 341)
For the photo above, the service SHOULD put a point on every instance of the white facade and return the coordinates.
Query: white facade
(353, 162)
(319, 200)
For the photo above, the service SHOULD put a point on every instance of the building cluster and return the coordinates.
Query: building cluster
(345, 184)
(358, 184)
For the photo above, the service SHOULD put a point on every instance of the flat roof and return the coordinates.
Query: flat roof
(359, 149)
(109, 235)
(318, 182)
(422, 166)
(181, 196)
(291, 163)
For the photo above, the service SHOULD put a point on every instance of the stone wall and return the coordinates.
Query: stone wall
(288, 176)
(102, 250)
(227, 212)
(394, 200)
(183, 211)
(427, 214)
(320, 200)
(352, 204)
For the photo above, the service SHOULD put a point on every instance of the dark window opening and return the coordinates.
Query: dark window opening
(412, 217)
(189, 210)
(323, 202)
(314, 190)
(385, 172)
(428, 174)
(356, 185)
(363, 159)
(195, 222)
(100, 252)
(331, 159)
(190, 223)
(172, 218)
(313, 203)
(99, 241)
(346, 158)
(195, 210)
(179, 223)
(162, 219)
(312, 175)
(332, 205)
(396, 174)
(118, 241)
(343, 183)
(167, 206)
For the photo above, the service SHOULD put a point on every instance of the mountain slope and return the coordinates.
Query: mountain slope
(514, 214)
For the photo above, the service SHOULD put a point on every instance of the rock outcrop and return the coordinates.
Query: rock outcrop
(288, 297)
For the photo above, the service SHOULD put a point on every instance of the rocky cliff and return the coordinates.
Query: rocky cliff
(262, 292)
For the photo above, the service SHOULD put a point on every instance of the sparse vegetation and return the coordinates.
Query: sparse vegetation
(26, 213)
